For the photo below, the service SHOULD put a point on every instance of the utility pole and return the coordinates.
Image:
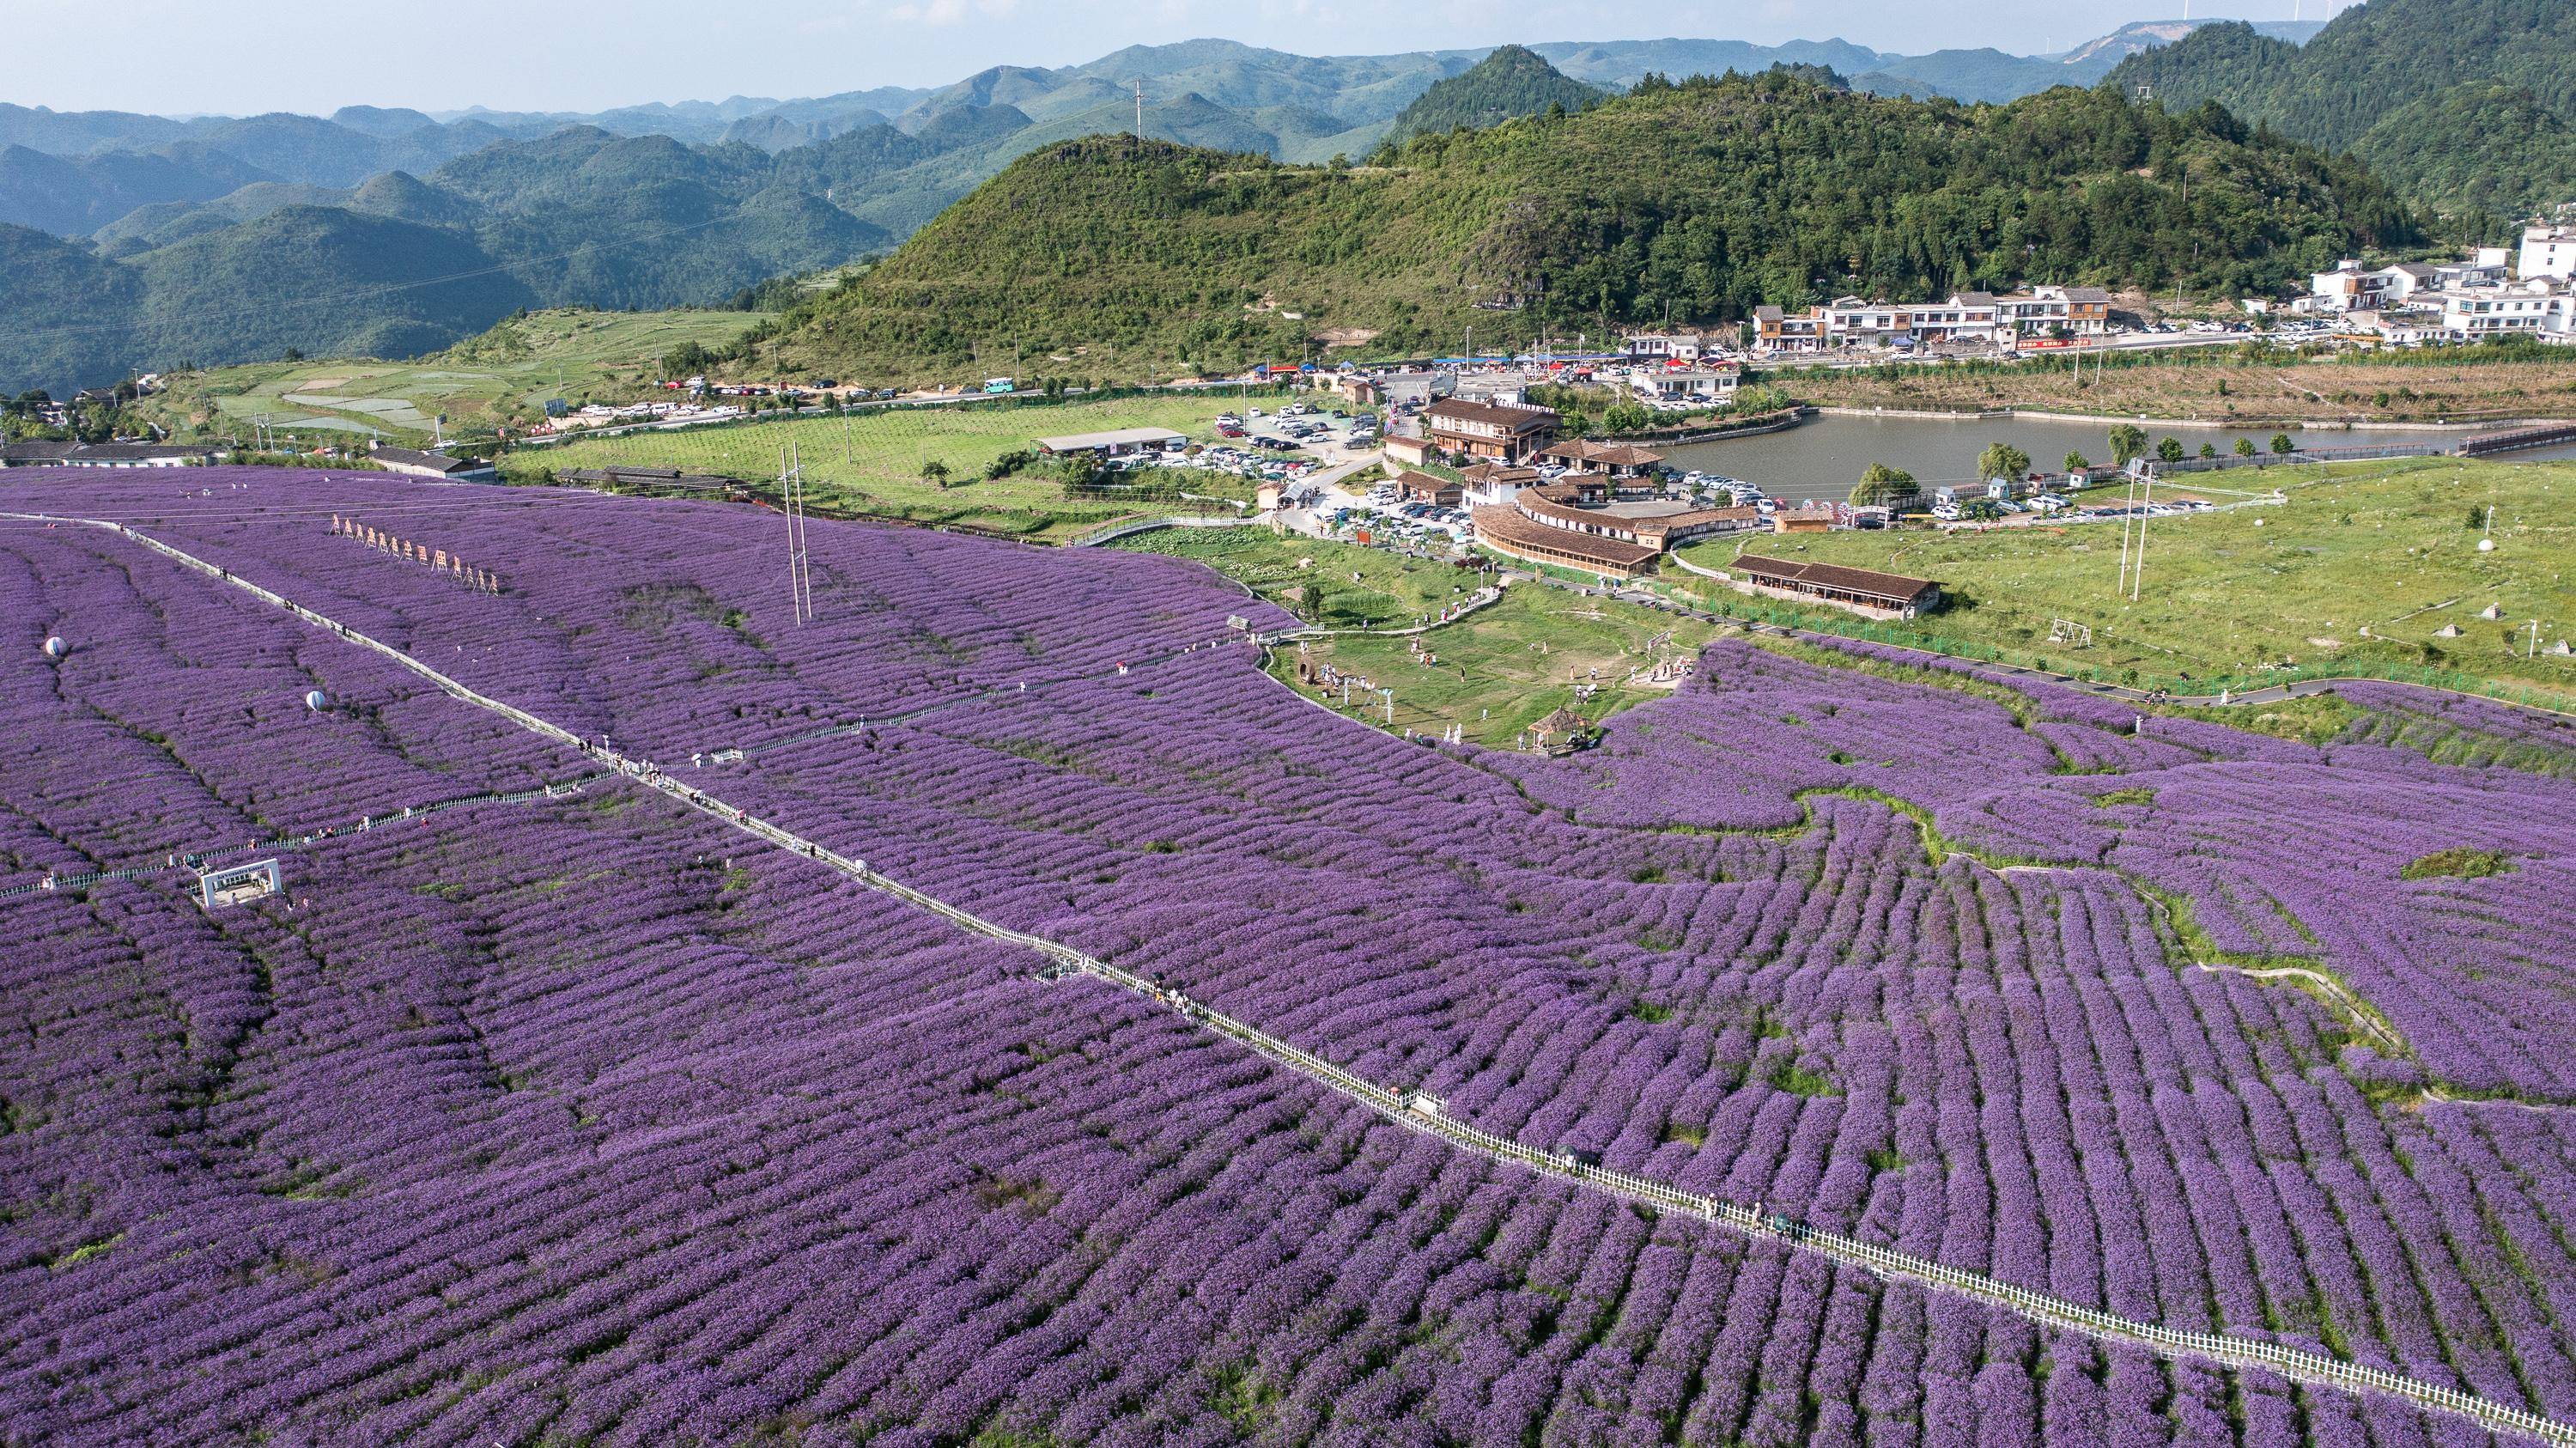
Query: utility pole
(2138, 576)
(1140, 110)
(2128, 512)
(791, 501)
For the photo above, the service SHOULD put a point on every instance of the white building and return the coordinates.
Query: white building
(1974, 318)
(2352, 287)
(2528, 306)
(2548, 251)
(1658, 346)
(1684, 384)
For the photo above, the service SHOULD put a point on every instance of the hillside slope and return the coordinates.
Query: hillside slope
(325, 280)
(2445, 149)
(71, 315)
(2370, 60)
(1705, 198)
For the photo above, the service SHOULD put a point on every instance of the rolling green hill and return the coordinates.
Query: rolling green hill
(71, 315)
(2446, 150)
(1508, 83)
(69, 196)
(2368, 61)
(402, 265)
(1118, 260)
(2414, 85)
(322, 280)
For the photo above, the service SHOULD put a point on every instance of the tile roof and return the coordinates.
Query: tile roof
(1835, 576)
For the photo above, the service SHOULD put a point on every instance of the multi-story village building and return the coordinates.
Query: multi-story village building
(1667, 346)
(1975, 318)
(2533, 305)
(1492, 430)
(2548, 251)
(1669, 383)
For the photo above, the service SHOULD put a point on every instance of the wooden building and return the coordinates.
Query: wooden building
(1495, 431)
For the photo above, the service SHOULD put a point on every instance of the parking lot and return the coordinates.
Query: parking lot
(1285, 445)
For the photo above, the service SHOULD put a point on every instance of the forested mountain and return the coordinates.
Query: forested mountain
(405, 264)
(71, 316)
(1508, 83)
(1127, 260)
(71, 196)
(690, 202)
(2449, 150)
(2410, 84)
(321, 279)
(1204, 92)
(324, 280)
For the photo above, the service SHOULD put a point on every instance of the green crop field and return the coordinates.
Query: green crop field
(1504, 667)
(874, 462)
(1493, 672)
(2367, 564)
(505, 374)
(1334, 585)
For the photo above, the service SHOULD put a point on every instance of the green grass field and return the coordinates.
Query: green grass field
(2385, 547)
(1334, 585)
(1504, 667)
(1493, 672)
(872, 463)
(506, 373)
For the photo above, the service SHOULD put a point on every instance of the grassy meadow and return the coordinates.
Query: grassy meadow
(506, 374)
(1493, 673)
(1332, 585)
(878, 462)
(2366, 563)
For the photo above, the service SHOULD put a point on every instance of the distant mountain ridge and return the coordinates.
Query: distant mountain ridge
(690, 202)
(1313, 105)
(404, 264)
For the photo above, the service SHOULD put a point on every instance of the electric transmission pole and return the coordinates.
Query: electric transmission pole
(791, 501)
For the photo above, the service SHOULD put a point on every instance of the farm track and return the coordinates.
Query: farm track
(1421, 1114)
(2351, 1005)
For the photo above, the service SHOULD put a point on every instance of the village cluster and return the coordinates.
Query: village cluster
(2492, 292)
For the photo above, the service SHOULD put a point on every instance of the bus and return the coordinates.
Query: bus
(1001, 384)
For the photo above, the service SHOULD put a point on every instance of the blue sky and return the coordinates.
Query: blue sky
(242, 56)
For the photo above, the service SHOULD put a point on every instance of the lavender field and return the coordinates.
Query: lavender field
(593, 1120)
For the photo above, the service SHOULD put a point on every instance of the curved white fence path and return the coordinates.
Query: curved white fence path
(1423, 1115)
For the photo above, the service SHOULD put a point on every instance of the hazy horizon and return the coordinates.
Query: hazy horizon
(169, 57)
